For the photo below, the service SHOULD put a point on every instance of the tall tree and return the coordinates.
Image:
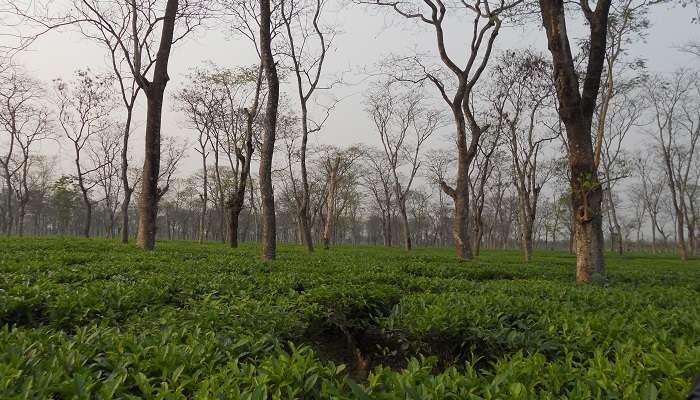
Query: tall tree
(456, 90)
(267, 149)
(404, 124)
(376, 178)
(625, 111)
(25, 123)
(576, 108)
(524, 84)
(675, 103)
(154, 89)
(104, 154)
(83, 114)
(129, 30)
(308, 43)
(650, 189)
(247, 84)
(337, 163)
(200, 104)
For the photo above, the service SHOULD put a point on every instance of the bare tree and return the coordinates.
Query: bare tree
(25, 123)
(104, 154)
(457, 92)
(651, 190)
(174, 153)
(337, 163)
(83, 108)
(675, 104)
(222, 106)
(486, 159)
(524, 85)
(376, 177)
(199, 103)
(143, 33)
(481, 171)
(399, 117)
(240, 141)
(625, 109)
(576, 108)
(303, 27)
(626, 24)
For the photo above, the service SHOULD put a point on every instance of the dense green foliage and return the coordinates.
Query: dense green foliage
(96, 319)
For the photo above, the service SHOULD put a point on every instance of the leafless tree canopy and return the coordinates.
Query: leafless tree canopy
(474, 145)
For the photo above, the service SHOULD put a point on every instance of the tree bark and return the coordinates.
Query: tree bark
(616, 224)
(128, 190)
(386, 229)
(202, 217)
(405, 226)
(460, 193)
(460, 225)
(20, 218)
(155, 91)
(88, 217)
(576, 111)
(269, 248)
(330, 203)
(8, 215)
(233, 214)
(148, 202)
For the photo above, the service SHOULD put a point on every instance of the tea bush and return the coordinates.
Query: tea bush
(94, 319)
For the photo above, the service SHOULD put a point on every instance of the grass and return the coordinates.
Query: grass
(93, 318)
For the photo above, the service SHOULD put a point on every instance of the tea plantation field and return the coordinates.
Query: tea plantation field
(93, 319)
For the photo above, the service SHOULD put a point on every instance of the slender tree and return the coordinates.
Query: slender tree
(267, 149)
(25, 123)
(404, 124)
(457, 92)
(524, 82)
(307, 46)
(83, 111)
(104, 154)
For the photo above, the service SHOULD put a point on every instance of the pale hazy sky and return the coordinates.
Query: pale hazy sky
(367, 37)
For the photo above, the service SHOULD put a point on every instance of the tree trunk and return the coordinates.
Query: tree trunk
(128, 190)
(202, 219)
(616, 224)
(8, 204)
(155, 91)
(330, 205)
(477, 233)
(526, 227)
(125, 215)
(269, 127)
(680, 235)
(235, 203)
(460, 195)
(20, 218)
(587, 196)
(109, 223)
(305, 229)
(576, 111)
(234, 212)
(460, 228)
(148, 202)
(386, 229)
(304, 204)
(690, 224)
(88, 217)
(527, 243)
(405, 226)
